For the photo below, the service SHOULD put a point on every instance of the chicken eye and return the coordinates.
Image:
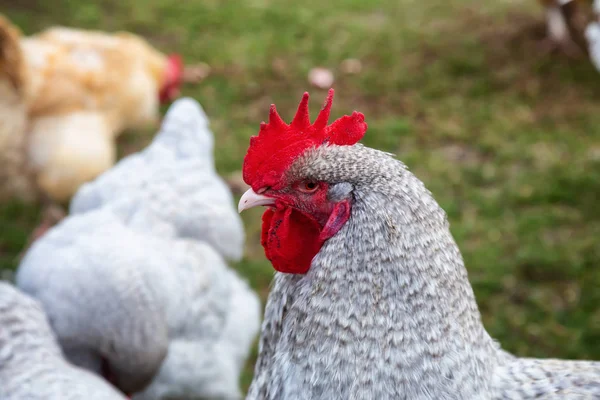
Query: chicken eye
(308, 186)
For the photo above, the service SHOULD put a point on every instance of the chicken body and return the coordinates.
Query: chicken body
(592, 35)
(386, 310)
(32, 366)
(14, 180)
(81, 90)
(118, 75)
(566, 21)
(150, 297)
(556, 22)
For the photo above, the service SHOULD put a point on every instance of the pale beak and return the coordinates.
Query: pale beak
(252, 199)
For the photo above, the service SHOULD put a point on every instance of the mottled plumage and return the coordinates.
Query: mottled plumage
(136, 275)
(386, 310)
(32, 366)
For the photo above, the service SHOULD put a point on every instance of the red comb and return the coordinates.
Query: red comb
(173, 78)
(279, 144)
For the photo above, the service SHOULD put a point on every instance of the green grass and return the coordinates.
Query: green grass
(506, 137)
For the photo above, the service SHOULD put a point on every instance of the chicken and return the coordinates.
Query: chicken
(14, 179)
(575, 23)
(592, 35)
(565, 23)
(371, 299)
(83, 89)
(31, 364)
(150, 302)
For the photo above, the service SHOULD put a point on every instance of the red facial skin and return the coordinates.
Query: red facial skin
(301, 220)
(170, 88)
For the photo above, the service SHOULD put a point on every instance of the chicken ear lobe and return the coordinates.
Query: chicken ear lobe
(337, 219)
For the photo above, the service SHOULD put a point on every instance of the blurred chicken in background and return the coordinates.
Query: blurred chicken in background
(592, 35)
(66, 94)
(14, 179)
(574, 27)
(566, 21)
(151, 303)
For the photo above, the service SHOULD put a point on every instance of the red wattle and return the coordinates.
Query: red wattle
(291, 239)
(337, 219)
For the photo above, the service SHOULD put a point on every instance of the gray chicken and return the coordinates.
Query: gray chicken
(135, 280)
(371, 299)
(32, 366)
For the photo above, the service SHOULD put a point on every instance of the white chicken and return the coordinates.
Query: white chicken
(31, 364)
(135, 281)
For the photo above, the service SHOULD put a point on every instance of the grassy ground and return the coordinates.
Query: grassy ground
(505, 136)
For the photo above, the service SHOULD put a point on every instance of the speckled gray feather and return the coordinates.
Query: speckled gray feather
(32, 366)
(136, 274)
(386, 310)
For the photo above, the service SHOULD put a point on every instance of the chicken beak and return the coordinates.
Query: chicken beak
(252, 199)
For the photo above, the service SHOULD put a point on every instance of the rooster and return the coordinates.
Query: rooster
(79, 90)
(135, 280)
(371, 299)
(31, 364)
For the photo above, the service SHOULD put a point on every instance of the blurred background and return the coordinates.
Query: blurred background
(501, 127)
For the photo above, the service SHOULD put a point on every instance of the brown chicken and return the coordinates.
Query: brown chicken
(14, 181)
(79, 90)
(565, 22)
